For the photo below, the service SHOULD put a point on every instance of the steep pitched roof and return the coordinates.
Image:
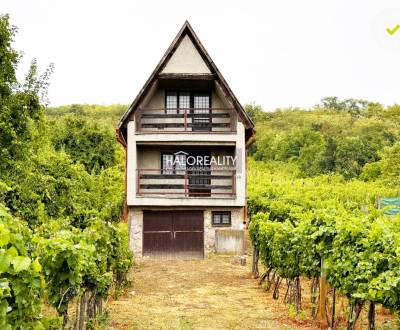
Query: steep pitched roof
(188, 30)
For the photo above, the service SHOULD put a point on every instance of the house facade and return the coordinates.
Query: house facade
(186, 138)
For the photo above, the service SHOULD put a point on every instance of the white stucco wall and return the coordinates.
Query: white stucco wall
(186, 59)
(157, 100)
(148, 159)
(132, 165)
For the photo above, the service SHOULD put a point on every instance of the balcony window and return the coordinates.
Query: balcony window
(167, 163)
(201, 101)
(171, 102)
(175, 100)
(173, 163)
(186, 111)
(201, 112)
(184, 100)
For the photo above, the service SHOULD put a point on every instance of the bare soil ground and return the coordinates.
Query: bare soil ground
(212, 293)
(200, 294)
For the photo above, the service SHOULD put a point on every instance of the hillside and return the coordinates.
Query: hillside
(330, 138)
(109, 114)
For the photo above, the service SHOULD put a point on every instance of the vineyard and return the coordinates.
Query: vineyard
(63, 251)
(316, 179)
(65, 265)
(305, 228)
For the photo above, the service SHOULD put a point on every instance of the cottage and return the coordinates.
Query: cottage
(186, 138)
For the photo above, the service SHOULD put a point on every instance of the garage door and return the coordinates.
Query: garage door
(173, 234)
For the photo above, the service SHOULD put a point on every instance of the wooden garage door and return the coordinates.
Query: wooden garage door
(173, 234)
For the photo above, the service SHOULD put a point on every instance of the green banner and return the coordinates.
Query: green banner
(395, 202)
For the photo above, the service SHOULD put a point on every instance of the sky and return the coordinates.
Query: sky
(274, 53)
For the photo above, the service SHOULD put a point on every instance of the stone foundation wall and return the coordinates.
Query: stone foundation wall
(209, 230)
(135, 227)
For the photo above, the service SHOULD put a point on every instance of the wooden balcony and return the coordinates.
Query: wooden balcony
(206, 120)
(186, 183)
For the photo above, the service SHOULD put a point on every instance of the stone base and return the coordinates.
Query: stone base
(135, 227)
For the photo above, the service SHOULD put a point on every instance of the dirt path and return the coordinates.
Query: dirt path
(200, 294)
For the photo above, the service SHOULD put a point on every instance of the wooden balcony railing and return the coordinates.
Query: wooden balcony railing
(203, 120)
(186, 183)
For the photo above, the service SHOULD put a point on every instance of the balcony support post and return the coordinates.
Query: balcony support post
(137, 181)
(186, 184)
(233, 183)
(185, 119)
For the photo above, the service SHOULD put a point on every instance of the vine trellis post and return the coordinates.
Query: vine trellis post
(323, 290)
(254, 270)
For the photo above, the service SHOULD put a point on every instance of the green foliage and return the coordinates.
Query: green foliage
(49, 185)
(8, 56)
(306, 147)
(19, 102)
(387, 169)
(108, 193)
(113, 240)
(328, 138)
(65, 260)
(85, 142)
(296, 223)
(76, 260)
(64, 180)
(103, 114)
(256, 113)
(349, 157)
(352, 106)
(21, 281)
(312, 193)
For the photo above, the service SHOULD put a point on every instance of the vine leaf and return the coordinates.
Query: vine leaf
(4, 262)
(21, 263)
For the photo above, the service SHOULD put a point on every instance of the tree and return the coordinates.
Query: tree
(76, 135)
(349, 156)
(256, 113)
(353, 106)
(291, 145)
(62, 198)
(19, 102)
(386, 169)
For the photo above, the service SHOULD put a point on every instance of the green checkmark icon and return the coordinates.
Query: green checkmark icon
(394, 30)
